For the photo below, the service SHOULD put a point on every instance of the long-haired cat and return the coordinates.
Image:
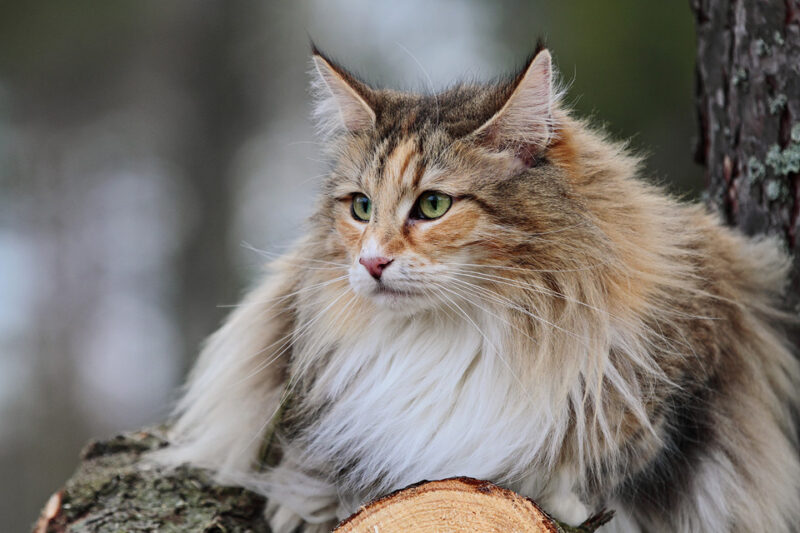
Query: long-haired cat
(487, 289)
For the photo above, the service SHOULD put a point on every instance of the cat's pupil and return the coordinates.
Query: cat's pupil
(361, 207)
(432, 205)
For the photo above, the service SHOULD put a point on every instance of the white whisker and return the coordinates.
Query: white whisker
(425, 72)
(295, 378)
(291, 259)
(279, 299)
(494, 347)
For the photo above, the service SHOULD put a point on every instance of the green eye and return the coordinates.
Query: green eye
(361, 208)
(432, 204)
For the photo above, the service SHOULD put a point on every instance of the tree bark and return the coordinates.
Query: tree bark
(748, 104)
(113, 491)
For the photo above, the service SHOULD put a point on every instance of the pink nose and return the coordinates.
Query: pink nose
(375, 265)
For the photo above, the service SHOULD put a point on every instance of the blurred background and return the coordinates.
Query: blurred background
(141, 143)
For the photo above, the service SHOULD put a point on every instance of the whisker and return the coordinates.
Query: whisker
(295, 334)
(486, 339)
(515, 306)
(303, 364)
(285, 257)
(279, 299)
(550, 292)
(295, 378)
(536, 270)
(425, 72)
(295, 143)
(526, 234)
(471, 287)
(621, 320)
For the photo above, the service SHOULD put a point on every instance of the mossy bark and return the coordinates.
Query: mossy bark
(748, 104)
(114, 491)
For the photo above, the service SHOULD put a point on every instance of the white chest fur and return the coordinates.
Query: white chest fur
(413, 399)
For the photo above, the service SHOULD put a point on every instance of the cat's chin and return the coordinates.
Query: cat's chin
(400, 301)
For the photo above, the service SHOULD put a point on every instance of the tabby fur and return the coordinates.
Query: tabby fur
(566, 329)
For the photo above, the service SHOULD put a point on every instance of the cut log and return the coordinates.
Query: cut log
(458, 505)
(113, 490)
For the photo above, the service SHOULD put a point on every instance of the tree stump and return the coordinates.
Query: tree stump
(458, 505)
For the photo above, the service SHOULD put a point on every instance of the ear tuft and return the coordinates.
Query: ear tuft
(525, 122)
(340, 100)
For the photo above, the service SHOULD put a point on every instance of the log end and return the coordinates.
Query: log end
(458, 505)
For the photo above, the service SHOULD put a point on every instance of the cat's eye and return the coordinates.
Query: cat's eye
(430, 205)
(361, 208)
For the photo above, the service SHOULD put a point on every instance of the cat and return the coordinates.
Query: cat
(488, 289)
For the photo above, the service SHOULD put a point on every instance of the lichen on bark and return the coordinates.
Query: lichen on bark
(114, 490)
(748, 104)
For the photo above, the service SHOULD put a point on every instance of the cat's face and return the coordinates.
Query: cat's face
(426, 190)
(408, 225)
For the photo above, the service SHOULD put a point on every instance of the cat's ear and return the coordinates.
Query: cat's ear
(340, 100)
(525, 121)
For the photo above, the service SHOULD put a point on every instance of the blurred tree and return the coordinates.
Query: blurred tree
(748, 102)
(221, 121)
(628, 65)
(123, 121)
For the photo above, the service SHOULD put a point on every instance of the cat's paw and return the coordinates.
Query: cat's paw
(284, 520)
(566, 507)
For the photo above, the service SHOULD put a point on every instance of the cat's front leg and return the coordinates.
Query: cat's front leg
(282, 519)
(556, 494)
(300, 500)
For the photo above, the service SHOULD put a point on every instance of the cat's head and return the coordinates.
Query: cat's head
(430, 192)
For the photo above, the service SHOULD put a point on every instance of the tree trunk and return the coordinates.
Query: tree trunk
(748, 103)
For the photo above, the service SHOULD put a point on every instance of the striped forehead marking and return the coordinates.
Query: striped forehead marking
(398, 162)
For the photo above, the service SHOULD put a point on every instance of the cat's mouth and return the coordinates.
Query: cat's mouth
(383, 290)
